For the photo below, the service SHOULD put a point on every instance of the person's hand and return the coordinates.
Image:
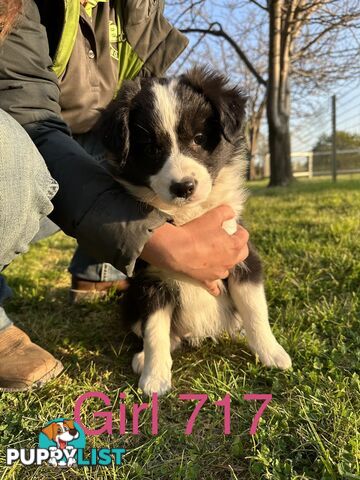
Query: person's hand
(200, 249)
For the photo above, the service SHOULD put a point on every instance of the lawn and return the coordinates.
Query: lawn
(309, 238)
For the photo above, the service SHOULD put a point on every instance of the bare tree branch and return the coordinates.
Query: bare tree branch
(259, 5)
(191, 51)
(189, 8)
(221, 33)
(315, 40)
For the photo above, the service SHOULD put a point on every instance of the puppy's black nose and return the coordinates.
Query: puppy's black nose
(183, 189)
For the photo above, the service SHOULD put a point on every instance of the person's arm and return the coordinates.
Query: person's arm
(107, 222)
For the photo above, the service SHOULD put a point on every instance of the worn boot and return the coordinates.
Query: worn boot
(24, 365)
(85, 290)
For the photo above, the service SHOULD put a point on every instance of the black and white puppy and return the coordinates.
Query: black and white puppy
(177, 144)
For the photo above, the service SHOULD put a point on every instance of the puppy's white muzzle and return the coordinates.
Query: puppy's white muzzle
(182, 179)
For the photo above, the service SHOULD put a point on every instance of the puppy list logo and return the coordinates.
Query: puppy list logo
(62, 444)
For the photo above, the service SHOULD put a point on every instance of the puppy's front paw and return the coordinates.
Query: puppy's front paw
(152, 383)
(138, 362)
(274, 356)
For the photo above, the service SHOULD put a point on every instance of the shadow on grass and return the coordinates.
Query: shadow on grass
(92, 335)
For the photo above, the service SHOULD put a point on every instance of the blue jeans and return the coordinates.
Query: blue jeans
(47, 228)
(26, 189)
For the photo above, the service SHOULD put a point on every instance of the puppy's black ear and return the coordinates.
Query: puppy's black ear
(113, 126)
(229, 101)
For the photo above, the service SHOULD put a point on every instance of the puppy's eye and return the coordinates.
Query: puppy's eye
(200, 139)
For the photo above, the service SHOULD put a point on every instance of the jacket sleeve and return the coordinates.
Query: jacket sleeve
(108, 223)
(29, 89)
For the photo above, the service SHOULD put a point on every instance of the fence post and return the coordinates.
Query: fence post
(333, 123)
(311, 164)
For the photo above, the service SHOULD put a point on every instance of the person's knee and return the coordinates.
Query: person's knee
(26, 188)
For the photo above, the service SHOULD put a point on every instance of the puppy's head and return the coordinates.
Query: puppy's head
(173, 136)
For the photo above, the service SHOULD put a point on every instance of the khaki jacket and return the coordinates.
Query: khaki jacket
(98, 50)
(36, 53)
(146, 39)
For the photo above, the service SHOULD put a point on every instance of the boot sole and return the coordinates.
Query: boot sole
(38, 383)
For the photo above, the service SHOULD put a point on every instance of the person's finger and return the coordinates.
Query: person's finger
(213, 288)
(243, 253)
(241, 232)
(223, 213)
(225, 274)
(240, 238)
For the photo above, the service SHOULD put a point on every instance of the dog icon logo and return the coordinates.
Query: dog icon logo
(62, 444)
(63, 438)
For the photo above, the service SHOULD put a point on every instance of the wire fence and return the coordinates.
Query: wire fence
(328, 142)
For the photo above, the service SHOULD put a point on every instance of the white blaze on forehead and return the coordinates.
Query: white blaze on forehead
(166, 108)
(177, 166)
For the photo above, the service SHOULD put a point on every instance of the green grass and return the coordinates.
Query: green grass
(308, 236)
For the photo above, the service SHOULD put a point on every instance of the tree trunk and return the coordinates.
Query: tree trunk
(280, 158)
(278, 105)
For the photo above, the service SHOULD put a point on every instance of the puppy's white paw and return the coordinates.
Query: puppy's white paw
(138, 362)
(274, 356)
(152, 383)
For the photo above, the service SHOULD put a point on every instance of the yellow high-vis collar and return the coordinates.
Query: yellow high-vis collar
(90, 4)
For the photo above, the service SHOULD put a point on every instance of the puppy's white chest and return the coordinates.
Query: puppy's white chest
(203, 315)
